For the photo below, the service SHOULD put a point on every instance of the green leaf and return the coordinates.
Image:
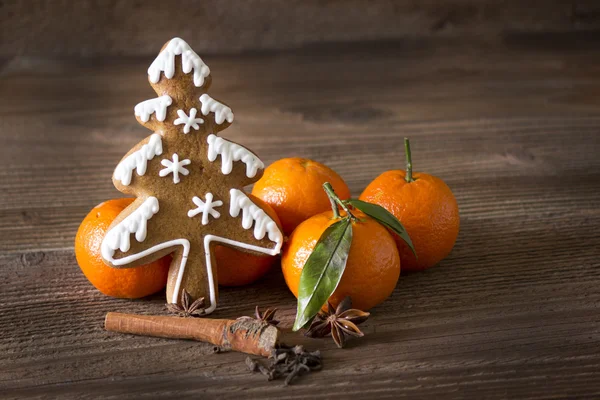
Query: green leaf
(323, 270)
(385, 218)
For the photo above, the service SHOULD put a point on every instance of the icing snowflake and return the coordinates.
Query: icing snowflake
(174, 167)
(190, 121)
(205, 208)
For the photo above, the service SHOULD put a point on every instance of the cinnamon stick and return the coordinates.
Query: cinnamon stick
(244, 335)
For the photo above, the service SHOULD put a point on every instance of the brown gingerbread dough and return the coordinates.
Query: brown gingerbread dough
(188, 183)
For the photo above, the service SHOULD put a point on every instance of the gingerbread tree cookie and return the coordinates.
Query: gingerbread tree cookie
(188, 182)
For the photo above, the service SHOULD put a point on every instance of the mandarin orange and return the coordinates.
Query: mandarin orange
(426, 207)
(294, 188)
(131, 283)
(373, 265)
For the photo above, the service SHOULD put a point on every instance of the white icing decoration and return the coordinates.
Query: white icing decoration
(186, 251)
(165, 62)
(158, 105)
(231, 152)
(222, 112)
(208, 239)
(136, 222)
(190, 121)
(254, 215)
(205, 208)
(174, 167)
(138, 160)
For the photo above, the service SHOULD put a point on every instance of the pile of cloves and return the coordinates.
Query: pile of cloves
(287, 362)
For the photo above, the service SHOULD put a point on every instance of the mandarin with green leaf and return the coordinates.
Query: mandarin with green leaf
(293, 187)
(372, 267)
(427, 209)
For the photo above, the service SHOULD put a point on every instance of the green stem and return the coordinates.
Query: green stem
(335, 200)
(408, 177)
(331, 195)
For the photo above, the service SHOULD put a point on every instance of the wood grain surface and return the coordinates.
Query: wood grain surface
(513, 128)
(126, 27)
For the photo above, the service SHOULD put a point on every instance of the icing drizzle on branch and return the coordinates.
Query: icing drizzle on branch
(158, 105)
(138, 160)
(136, 222)
(231, 152)
(165, 62)
(222, 112)
(254, 215)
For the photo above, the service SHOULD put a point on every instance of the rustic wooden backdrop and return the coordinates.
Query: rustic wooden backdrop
(511, 123)
(126, 27)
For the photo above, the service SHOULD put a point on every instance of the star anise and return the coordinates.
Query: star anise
(188, 307)
(339, 323)
(266, 316)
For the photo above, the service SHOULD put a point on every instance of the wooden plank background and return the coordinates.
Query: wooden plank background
(513, 128)
(134, 27)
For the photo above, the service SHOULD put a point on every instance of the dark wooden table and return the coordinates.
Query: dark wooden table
(512, 126)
